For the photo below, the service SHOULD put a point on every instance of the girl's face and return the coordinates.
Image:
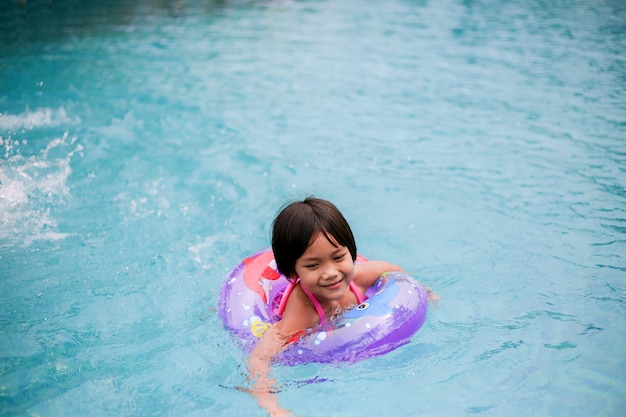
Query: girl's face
(325, 270)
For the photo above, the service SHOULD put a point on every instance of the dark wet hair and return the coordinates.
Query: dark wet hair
(299, 222)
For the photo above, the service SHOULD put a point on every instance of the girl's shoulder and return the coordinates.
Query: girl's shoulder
(299, 312)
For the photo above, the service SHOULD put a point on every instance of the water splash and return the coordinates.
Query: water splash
(31, 187)
(45, 117)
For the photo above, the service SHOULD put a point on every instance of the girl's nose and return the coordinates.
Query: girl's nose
(330, 271)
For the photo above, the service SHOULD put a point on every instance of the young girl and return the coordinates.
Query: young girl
(314, 247)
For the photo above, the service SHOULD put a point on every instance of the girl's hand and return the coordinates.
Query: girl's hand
(431, 295)
(269, 401)
(280, 412)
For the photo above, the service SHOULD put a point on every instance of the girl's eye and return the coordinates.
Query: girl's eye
(310, 266)
(340, 257)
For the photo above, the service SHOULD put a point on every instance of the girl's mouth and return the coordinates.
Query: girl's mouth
(333, 284)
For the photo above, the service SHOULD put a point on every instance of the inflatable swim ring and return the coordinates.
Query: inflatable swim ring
(394, 309)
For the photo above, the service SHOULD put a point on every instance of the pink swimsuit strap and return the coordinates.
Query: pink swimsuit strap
(355, 290)
(316, 304)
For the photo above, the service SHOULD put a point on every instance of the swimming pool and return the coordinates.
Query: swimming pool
(146, 148)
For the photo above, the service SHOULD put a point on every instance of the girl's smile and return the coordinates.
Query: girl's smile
(333, 285)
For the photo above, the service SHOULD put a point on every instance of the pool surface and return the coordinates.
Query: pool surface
(146, 146)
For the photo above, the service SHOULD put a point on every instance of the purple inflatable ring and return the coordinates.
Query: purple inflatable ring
(394, 310)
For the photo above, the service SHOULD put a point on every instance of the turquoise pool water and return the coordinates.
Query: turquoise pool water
(146, 147)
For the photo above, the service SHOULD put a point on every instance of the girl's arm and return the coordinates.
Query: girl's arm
(366, 273)
(296, 317)
(263, 387)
